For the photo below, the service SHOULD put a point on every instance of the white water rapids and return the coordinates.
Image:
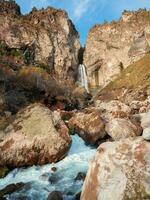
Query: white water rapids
(37, 178)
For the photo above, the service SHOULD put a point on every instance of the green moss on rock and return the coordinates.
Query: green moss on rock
(4, 171)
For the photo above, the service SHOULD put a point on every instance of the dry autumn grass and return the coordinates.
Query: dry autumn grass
(135, 76)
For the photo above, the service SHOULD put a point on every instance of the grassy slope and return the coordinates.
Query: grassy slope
(135, 76)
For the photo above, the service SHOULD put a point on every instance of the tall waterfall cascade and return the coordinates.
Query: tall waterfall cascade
(82, 77)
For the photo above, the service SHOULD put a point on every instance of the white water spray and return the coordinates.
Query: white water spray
(83, 80)
(37, 178)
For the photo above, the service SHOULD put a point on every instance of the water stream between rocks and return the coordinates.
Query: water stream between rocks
(40, 181)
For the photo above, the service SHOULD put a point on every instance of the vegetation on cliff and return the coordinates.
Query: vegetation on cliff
(135, 80)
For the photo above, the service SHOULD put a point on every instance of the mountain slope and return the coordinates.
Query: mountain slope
(134, 81)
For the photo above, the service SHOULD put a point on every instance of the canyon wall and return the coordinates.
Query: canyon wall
(46, 38)
(112, 47)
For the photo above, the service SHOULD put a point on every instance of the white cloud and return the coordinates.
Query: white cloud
(80, 8)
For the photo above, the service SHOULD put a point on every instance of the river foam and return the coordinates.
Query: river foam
(41, 180)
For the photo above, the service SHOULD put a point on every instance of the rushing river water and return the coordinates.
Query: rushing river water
(41, 180)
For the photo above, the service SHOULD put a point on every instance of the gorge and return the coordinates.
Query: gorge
(74, 122)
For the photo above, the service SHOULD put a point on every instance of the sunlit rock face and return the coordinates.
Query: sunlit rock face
(111, 47)
(120, 170)
(46, 38)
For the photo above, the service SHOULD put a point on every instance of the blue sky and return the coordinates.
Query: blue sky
(86, 13)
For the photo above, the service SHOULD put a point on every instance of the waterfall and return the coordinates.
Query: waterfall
(82, 77)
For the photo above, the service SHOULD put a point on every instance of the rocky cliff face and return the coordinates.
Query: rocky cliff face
(44, 38)
(39, 55)
(112, 47)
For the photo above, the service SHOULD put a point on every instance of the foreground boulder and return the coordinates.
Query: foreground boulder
(34, 138)
(119, 171)
(88, 125)
(122, 128)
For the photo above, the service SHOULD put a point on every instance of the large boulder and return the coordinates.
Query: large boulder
(113, 109)
(89, 125)
(35, 137)
(111, 47)
(119, 171)
(122, 128)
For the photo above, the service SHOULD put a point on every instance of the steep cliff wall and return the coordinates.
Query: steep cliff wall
(38, 57)
(111, 47)
(44, 38)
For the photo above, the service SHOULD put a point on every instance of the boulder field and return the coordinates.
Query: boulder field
(42, 104)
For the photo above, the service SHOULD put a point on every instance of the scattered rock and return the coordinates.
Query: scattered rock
(54, 169)
(45, 177)
(88, 125)
(119, 170)
(141, 106)
(146, 134)
(34, 138)
(55, 195)
(53, 179)
(122, 128)
(11, 188)
(80, 176)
